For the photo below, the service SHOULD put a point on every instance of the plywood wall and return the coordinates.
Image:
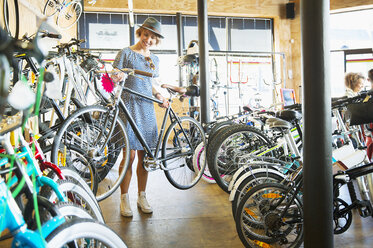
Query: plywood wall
(29, 22)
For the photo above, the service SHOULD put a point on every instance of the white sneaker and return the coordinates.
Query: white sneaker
(125, 208)
(143, 204)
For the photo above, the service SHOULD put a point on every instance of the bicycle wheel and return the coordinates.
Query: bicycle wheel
(87, 130)
(179, 144)
(260, 217)
(10, 21)
(199, 157)
(84, 233)
(252, 180)
(70, 173)
(229, 151)
(69, 14)
(69, 209)
(51, 7)
(76, 194)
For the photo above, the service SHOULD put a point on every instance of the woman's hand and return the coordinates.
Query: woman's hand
(164, 103)
(117, 76)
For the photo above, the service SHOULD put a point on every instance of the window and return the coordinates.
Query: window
(351, 41)
(104, 30)
(254, 35)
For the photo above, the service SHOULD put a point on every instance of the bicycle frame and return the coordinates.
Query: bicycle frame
(13, 220)
(31, 168)
(169, 112)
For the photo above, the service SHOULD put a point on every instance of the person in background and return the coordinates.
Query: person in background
(139, 57)
(354, 83)
(370, 78)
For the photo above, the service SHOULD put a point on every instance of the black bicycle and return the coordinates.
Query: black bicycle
(96, 134)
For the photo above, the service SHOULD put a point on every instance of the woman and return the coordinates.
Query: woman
(139, 57)
(354, 83)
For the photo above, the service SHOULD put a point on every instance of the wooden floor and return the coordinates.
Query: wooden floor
(195, 218)
(199, 217)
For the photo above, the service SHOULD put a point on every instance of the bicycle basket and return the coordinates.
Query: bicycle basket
(360, 113)
(89, 64)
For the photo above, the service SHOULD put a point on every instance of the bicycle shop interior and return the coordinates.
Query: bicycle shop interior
(251, 60)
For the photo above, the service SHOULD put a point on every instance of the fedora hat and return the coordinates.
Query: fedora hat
(153, 25)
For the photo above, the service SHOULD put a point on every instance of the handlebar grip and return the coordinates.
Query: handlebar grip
(144, 73)
(53, 36)
(127, 70)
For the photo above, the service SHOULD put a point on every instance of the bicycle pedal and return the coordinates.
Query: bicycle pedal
(365, 209)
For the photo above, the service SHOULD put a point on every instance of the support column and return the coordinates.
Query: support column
(204, 78)
(180, 43)
(318, 188)
(131, 32)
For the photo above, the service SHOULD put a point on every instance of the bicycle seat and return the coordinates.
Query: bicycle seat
(289, 115)
(175, 89)
(278, 123)
(192, 90)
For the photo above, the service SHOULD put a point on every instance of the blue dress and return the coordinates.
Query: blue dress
(141, 110)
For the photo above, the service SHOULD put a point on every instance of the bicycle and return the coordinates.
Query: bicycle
(235, 146)
(56, 232)
(95, 127)
(272, 213)
(69, 11)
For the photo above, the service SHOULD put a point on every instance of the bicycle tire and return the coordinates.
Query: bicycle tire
(76, 194)
(81, 167)
(219, 126)
(226, 150)
(69, 209)
(71, 174)
(251, 181)
(45, 207)
(199, 157)
(174, 141)
(11, 19)
(72, 10)
(84, 230)
(50, 5)
(109, 173)
(254, 211)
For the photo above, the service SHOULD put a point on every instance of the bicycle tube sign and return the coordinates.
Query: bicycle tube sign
(246, 71)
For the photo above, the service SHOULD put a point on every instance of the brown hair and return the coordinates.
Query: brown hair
(352, 80)
(370, 75)
(140, 30)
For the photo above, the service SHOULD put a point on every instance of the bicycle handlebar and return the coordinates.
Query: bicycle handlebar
(51, 35)
(340, 102)
(71, 43)
(135, 71)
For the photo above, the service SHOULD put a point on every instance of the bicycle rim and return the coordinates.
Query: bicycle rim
(51, 7)
(11, 17)
(231, 150)
(250, 182)
(199, 157)
(69, 15)
(75, 194)
(180, 142)
(82, 129)
(256, 221)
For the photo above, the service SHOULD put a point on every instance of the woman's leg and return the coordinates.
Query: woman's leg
(142, 178)
(127, 178)
(142, 174)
